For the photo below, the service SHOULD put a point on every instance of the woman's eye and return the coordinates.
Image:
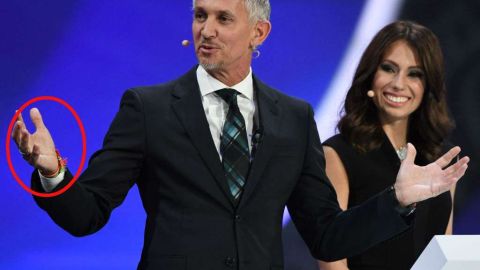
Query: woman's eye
(387, 68)
(416, 74)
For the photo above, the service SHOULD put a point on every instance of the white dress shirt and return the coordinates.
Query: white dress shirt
(215, 108)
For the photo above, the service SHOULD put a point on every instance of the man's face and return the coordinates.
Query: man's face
(222, 35)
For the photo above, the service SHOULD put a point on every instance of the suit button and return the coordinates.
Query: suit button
(230, 262)
(237, 217)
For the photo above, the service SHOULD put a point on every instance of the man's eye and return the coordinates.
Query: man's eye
(200, 16)
(224, 19)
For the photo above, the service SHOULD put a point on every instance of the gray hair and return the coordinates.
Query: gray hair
(258, 10)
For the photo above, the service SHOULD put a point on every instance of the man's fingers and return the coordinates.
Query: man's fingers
(458, 169)
(411, 153)
(20, 117)
(461, 172)
(453, 168)
(24, 139)
(18, 137)
(35, 155)
(450, 180)
(450, 176)
(36, 118)
(18, 128)
(444, 160)
(15, 126)
(16, 132)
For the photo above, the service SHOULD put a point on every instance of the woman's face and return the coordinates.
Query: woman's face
(398, 83)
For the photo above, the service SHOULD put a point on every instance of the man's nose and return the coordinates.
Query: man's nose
(208, 30)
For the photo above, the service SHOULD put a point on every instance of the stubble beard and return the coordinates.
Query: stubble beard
(210, 66)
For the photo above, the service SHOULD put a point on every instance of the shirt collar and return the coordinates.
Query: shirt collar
(208, 84)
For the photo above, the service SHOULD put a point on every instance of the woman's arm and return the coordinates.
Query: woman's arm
(450, 221)
(338, 177)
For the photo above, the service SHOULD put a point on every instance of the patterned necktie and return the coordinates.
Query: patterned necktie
(234, 144)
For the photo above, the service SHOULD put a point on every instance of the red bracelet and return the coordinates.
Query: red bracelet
(62, 162)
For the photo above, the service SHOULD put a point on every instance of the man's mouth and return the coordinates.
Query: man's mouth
(208, 48)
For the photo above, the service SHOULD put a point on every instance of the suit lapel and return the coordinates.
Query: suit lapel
(269, 121)
(188, 107)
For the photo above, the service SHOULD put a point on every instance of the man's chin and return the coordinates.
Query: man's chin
(211, 66)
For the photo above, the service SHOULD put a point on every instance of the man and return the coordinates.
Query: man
(217, 155)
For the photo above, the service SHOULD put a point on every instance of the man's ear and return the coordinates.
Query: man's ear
(261, 31)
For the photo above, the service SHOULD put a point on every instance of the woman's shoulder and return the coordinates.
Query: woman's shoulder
(342, 147)
(335, 140)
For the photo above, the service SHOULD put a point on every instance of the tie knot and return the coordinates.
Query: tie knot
(228, 94)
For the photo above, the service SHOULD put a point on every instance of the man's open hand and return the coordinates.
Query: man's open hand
(417, 183)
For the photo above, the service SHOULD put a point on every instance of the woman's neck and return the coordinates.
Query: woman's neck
(396, 132)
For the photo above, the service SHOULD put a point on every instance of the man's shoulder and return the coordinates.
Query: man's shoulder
(160, 88)
(280, 97)
(166, 88)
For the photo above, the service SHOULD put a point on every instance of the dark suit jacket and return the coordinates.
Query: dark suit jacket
(160, 140)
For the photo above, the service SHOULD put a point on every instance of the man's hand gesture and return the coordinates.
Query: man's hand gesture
(417, 183)
(38, 148)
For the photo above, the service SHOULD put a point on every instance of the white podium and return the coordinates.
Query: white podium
(450, 252)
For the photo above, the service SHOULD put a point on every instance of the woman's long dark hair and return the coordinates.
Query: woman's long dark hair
(430, 124)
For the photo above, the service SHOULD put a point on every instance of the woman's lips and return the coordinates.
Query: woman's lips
(395, 100)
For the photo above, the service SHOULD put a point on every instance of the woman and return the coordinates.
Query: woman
(397, 96)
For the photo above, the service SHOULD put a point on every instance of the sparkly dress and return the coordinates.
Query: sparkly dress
(370, 173)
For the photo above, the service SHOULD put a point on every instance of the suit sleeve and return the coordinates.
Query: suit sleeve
(86, 206)
(329, 232)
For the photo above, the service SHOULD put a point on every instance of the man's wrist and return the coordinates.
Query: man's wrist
(61, 164)
(404, 211)
(50, 174)
(49, 184)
